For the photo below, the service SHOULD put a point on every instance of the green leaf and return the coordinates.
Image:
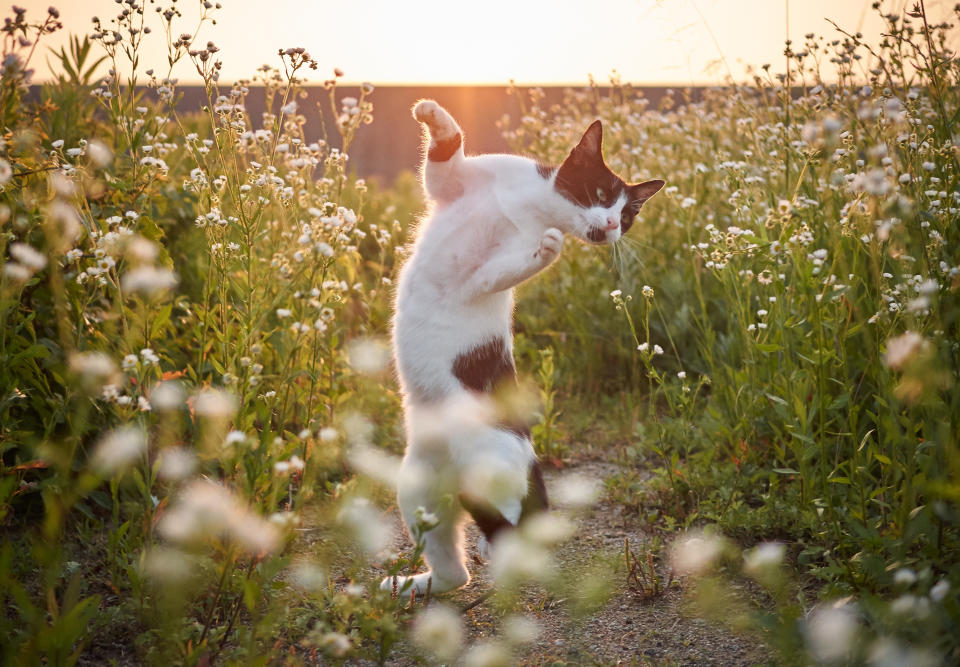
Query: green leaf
(882, 459)
(786, 471)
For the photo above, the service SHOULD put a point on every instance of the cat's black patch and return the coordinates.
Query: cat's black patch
(545, 170)
(536, 500)
(597, 235)
(489, 519)
(484, 367)
(444, 149)
(486, 516)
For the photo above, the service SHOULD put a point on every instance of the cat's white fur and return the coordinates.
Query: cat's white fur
(494, 222)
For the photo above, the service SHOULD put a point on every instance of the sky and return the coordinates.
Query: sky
(548, 42)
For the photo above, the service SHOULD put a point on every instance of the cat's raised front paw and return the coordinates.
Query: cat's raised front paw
(551, 243)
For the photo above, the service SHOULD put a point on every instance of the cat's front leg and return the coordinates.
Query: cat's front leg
(507, 269)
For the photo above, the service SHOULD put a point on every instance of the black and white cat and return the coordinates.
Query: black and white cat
(495, 221)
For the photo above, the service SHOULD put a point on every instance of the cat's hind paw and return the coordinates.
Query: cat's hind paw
(551, 243)
(420, 583)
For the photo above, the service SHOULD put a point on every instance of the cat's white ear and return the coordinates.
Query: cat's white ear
(591, 141)
(641, 192)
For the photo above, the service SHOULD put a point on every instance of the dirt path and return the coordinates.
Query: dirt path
(627, 629)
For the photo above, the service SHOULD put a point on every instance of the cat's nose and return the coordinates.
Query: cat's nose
(612, 223)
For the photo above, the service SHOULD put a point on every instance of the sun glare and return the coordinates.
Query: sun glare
(530, 41)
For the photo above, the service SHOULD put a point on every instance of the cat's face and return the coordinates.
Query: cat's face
(603, 205)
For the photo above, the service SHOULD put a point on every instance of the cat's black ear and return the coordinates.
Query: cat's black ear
(590, 142)
(641, 192)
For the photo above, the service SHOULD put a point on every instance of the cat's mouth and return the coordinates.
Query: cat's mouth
(597, 235)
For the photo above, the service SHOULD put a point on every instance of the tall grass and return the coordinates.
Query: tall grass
(783, 323)
(192, 308)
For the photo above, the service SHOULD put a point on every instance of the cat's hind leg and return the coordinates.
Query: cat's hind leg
(444, 158)
(422, 485)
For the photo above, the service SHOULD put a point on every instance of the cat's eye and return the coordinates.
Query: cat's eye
(601, 194)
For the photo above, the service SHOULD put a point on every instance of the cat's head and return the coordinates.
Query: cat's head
(603, 205)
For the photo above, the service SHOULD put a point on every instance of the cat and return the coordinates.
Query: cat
(494, 221)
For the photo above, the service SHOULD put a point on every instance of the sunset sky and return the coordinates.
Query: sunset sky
(492, 41)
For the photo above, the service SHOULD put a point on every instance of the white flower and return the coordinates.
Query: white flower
(694, 554)
(830, 633)
(28, 256)
(643, 347)
(93, 366)
(17, 272)
(148, 280)
(366, 524)
(236, 437)
(657, 349)
(119, 448)
(283, 313)
(682, 375)
(100, 155)
(206, 510)
(328, 434)
(903, 349)
(904, 577)
(176, 463)
(215, 403)
(576, 491)
(439, 630)
(940, 590)
(290, 108)
(487, 654)
(166, 396)
(129, 362)
(518, 558)
(308, 577)
(647, 291)
(615, 293)
(368, 355)
(764, 556)
(6, 172)
(335, 644)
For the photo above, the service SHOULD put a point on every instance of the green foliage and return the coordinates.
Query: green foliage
(182, 293)
(796, 348)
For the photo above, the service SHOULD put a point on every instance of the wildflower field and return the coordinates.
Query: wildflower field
(199, 421)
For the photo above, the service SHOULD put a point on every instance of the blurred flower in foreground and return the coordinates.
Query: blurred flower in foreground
(168, 566)
(166, 396)
(891, 653)
(94, 368)
(576, 491)
(368, 355)
(903, 349)
(831, 632)
(215, 403)
(366, 524)
(308, 577)
(208, 509)
(176, 463)
(374, 463)
(763, 557)
(488, 654)
(693, 554)
(439, 631)
(148, 280)
(520, 629)
(118, 449)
